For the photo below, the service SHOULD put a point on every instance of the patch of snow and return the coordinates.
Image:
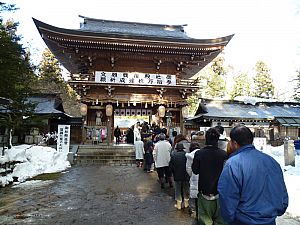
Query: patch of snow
(253, 100)
(34, 160)
(253, 113)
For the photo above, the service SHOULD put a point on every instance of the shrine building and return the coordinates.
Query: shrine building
(130, 70)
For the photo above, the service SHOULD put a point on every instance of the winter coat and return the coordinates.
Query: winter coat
(130, 136)
(193, 177)
(137, 134)
(208, 163)
(252, 188)
(139, 149)
(161, 153)
(117, 132)
(178, 166)
(148, 147)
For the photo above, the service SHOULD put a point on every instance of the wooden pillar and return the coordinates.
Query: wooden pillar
(83, 112)
(182, 129)
(84, 123)
(109, 130)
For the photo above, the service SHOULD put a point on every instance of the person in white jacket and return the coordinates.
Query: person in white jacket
(162, 157)
(194, 147)
(139, 152)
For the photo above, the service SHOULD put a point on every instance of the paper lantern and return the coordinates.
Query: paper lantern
(109, 110)
(83, 109)
(161, 111)
(185, 112)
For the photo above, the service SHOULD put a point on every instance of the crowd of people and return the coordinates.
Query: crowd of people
(226, 181)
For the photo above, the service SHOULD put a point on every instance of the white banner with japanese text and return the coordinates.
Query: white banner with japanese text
(63, 138)
(135, 78)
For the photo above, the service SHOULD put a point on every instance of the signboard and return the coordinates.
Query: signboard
(63, 138)
(135, 78)
(260, 143)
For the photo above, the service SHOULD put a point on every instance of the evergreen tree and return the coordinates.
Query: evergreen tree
(263, 83)
(51, 81)
(193, 102)
(241, 86)
(49, 68)
(17, 77)
(216, 86)
(296, 96)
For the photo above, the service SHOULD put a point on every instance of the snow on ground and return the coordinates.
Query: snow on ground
(291, 177)
(38, 160)
(34, 160)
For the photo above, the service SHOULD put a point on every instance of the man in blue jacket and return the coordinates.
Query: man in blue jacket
(251, 187)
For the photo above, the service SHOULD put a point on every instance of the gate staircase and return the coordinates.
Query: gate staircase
(103, 154)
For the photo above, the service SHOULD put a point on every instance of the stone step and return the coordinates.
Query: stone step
(105, 155)
(120, 157)
(99, 148)
(105, 162)
(106, 146)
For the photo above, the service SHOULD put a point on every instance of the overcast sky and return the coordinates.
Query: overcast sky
(267, 30)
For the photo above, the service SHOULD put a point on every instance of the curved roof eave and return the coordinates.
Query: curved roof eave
(221, 41)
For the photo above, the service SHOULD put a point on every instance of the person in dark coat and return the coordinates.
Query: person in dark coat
(181, 178)
(149, 156)
(208, 163)
(117, 134)
(129, 136)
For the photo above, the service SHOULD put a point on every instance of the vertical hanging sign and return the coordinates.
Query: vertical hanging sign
(63, 139)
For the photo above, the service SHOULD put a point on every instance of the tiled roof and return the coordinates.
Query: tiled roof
(133, 29)
(47, 105)
(239, 110)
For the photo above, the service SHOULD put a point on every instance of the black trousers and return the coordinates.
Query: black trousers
(118, 140)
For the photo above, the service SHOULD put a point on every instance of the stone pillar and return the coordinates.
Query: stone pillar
(289, 153)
